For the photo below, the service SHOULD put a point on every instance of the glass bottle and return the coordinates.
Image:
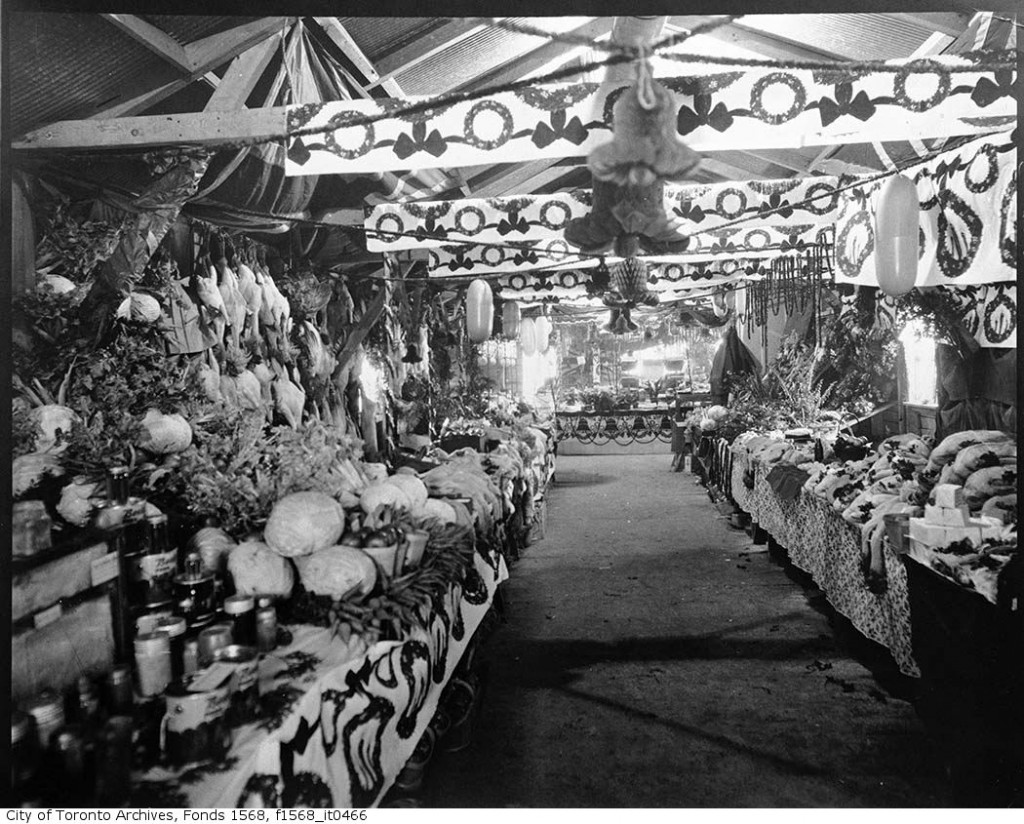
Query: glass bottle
(159, 562)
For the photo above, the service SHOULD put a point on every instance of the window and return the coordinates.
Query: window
(919, 353)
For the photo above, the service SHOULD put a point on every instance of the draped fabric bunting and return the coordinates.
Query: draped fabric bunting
(719, 108)
(534, 218)
(716, 245)
(968, 200)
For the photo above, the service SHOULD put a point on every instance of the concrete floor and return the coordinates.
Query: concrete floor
(653, 658)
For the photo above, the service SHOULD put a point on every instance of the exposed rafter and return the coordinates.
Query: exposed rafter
(242, 76)
(141, 95)
(343, 40)
(155, 39)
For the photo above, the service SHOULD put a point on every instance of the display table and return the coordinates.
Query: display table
(620, 426)
(821, 543)
(347, 716)
(972, 685)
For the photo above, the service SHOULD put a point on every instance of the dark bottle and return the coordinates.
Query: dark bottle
(68, 759)
(158, 564)
(114, 762)
(819, 450)
(120, 698)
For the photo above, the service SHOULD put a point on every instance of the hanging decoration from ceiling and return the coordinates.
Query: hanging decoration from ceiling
(479, 311)
(511, 317)
(629, 173)
(533, 218)
(715, 245)
(528, 337)
(968, 224)
(896, 235)
(542, 332)
(715, 107)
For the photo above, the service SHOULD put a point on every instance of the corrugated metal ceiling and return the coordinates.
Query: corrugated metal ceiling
(187, 28)
(377, 36)
(66, 66)
(853, 36)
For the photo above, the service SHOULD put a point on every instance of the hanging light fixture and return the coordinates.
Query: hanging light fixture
(511, 316)
(479, 311)
(897, 215)
(528, 337)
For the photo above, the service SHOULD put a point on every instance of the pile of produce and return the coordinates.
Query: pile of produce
(899, 476)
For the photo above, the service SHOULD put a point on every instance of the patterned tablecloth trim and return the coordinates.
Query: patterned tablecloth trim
(355, 719)
(822, 544)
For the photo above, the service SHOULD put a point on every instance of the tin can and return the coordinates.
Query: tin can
(153, 662)
(195, 728)
(266, 629)
(189, 656)
(241, 609)
(245, 683)
(212, 639)
(47, 709)
(174, 627)
(24, 749)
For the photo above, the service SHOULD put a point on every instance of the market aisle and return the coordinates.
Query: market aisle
(649, 660)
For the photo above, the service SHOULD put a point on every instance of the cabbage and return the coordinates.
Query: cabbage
(78, 499)
(257, 570)
(304, 522)
(438, 510)
(382, 493)
(29, 470)
(413, 487)
(164, 434)
(214, 546)
(337, 571)
(51, 420)
(139, 306)
(375, 471)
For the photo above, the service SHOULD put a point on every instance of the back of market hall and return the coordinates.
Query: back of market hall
(428, 412)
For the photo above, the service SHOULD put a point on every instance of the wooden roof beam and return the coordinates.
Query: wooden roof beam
(154, 39)
(242, 76)
(343, 40)
(217, 49)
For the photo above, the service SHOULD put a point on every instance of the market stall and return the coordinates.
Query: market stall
(294, 350)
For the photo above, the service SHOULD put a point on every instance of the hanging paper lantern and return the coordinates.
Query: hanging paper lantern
(896, 236)
(479, 311)
(511, 315)
(629, 279)
(528, 337)
(718, 305)
(542, 329)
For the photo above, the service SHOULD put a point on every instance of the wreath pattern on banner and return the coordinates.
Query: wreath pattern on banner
(987, 311)
(536, 218)
(715, 245)
(968, 218)
(721, 109)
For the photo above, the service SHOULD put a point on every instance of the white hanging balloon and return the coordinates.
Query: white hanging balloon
(528, 337)
(511, 317)
(897, 215)
(479, 311)
(542, 327)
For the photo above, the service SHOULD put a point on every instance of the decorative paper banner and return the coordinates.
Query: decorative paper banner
(968, 200)
(719, 244)
(533, 218)
(669, 282)
(717, 108)
(988, 312)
